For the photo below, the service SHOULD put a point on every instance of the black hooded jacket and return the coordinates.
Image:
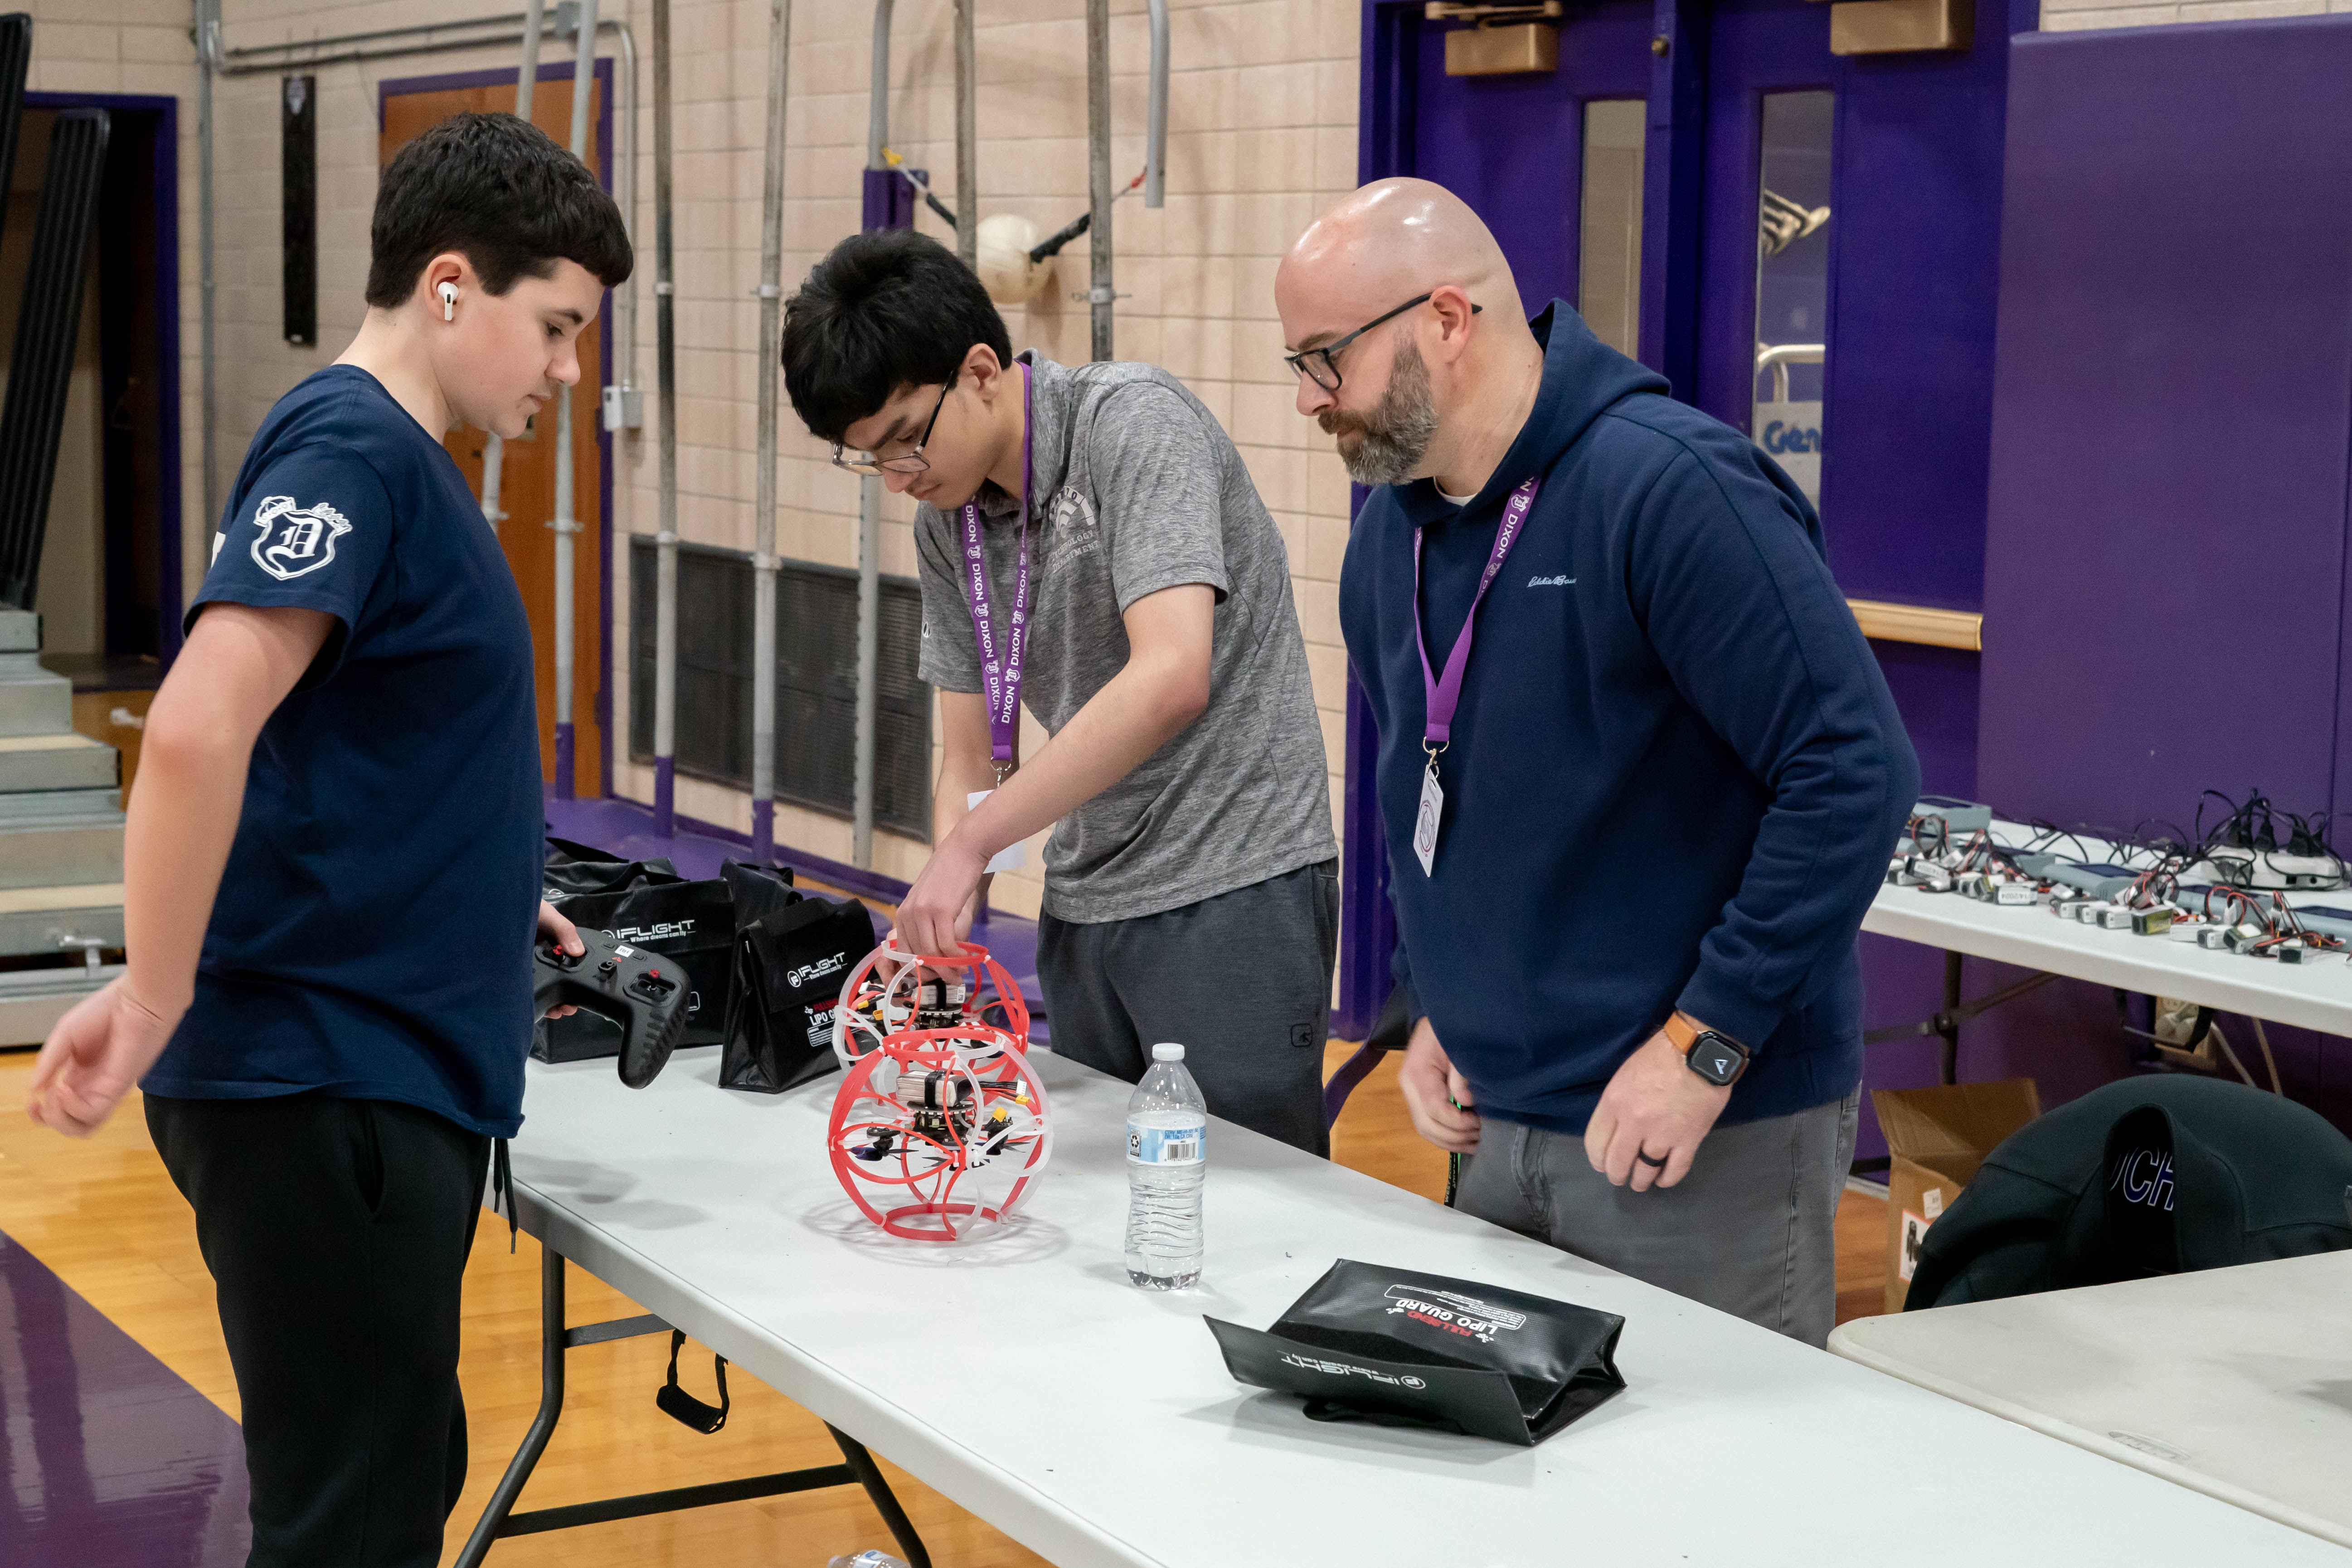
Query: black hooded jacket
(2152, 1175)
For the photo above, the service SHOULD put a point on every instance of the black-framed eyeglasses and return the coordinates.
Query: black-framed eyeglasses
(1318, 364)
(911, 461)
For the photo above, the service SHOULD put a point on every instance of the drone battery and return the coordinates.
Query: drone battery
(1972, 883)
(2292, 952)
(933, 1090)
(2152, 922)
(2214, 938)
(2243, 936)
(2115, 917)
(1956, 815)
(2011, 894)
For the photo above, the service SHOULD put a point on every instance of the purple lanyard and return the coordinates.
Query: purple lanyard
(1443, 694)
(1001, 677)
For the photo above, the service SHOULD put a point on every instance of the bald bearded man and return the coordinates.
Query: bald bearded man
(1631, 837)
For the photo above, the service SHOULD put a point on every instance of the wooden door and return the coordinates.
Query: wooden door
(527, 478)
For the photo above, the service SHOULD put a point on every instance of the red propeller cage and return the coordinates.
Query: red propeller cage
(977, 1119)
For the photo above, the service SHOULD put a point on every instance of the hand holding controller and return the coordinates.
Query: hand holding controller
(641, 993)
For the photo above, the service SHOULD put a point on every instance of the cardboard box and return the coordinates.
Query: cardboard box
(1936, 1139)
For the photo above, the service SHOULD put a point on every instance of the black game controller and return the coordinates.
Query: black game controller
(644, 994)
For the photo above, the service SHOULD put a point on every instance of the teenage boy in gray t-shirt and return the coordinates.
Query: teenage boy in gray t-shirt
(1192, 880)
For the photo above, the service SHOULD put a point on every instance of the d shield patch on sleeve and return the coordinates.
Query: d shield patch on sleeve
(1396, 1348)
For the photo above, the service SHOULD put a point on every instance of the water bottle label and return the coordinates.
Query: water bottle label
(1167, 1145)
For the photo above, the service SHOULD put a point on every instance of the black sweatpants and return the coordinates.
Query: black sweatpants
(1242, 981)
(337, 1231)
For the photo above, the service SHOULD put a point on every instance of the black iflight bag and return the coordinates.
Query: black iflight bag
(1399, 1349)
(789, 968)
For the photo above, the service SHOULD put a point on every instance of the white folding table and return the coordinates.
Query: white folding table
(2316, 996)
(1021, 1376)
(2235, 1381)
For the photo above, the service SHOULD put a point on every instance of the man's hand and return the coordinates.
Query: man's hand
(936, 915)
(1655, 1105)
(1437, 1096)
(566, 936)
(102, 1048)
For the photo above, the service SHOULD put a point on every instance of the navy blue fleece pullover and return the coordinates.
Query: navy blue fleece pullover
(1675, 774)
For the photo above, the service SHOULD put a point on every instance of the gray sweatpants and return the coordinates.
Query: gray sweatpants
(1243, 981)
(1751, 1230)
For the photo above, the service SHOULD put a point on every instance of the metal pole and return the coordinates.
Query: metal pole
(1098, 194)
(877, 98)
(763, 523)
(1155, 135)
(527, 78)
(566, 525)
(869, 510)
(494, 449)
(207, 63)
(494, 470)
(665, 399)
(624, 413)
(967, 138)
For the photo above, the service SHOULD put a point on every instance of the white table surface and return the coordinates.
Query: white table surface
(2236, 1382)
(1020, 1375)
(2316, 996)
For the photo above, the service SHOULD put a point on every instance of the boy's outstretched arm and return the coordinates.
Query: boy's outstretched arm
(238, 664)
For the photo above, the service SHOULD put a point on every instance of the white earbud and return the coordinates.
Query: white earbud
(448, 293)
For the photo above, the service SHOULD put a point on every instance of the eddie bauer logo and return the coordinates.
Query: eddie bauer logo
(796, 978)
(1468, 1316)
(1551, 582)
(1342, 1369)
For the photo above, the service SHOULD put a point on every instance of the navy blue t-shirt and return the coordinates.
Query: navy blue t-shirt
(370, 939)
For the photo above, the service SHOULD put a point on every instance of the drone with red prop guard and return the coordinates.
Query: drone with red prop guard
(939, 1117)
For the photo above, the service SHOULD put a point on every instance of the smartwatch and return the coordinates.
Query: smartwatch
(1715, 1056)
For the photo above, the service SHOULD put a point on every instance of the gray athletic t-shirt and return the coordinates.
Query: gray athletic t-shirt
(1136, 488)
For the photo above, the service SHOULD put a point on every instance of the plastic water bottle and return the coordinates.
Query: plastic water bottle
(1166, 1161)
(870, 1558)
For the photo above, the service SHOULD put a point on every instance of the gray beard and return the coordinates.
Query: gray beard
(1397, 434)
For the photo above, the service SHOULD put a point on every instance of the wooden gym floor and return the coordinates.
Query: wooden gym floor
(104, 1216)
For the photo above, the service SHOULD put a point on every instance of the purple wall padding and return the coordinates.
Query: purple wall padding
(2164, 568)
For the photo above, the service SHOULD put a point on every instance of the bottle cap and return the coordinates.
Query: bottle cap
(1167, 1051)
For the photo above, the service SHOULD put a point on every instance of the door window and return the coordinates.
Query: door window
(1609, 262)
(1792, 282)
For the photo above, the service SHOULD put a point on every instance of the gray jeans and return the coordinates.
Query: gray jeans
(1751, 1230)
(1243, 981)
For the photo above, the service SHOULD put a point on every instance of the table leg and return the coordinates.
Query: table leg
(1950, 1021)
(885, 1502)
(543, 1425)
(498, 1519)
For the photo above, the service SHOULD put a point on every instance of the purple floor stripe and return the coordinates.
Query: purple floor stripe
(627, 829)
(108, 1459)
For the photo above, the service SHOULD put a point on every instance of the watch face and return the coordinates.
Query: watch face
(1715, 1061)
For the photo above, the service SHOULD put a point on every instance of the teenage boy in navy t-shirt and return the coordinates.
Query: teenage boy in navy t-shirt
(332, 867)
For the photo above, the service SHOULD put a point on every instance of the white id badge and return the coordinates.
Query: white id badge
(1010, 858)
(1425, 821)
